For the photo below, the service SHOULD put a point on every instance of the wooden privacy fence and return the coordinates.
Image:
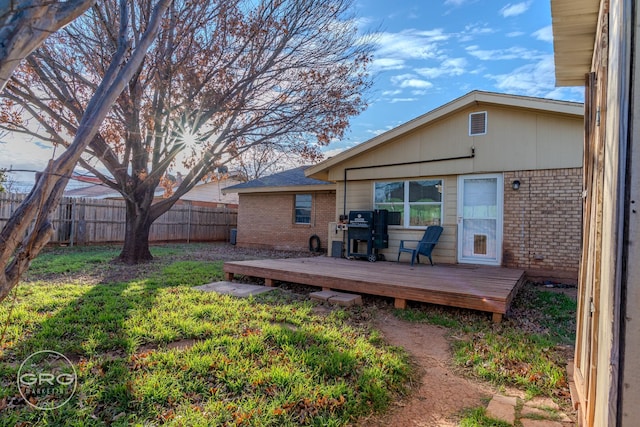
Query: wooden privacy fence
(81, 221)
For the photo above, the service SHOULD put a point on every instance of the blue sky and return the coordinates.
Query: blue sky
(427, 53)
(430, 52)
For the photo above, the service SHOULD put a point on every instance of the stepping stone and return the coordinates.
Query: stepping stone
(502, 408)
(322, 295)
(542, 403)
(339, 298)
(539, 423)
(241, 290)
(530, 412)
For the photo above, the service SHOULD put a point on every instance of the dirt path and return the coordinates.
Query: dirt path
(441, 394)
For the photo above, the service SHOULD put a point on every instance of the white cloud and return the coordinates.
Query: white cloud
(391, 92)
(575, 94)
(377, 132)
(410, 81)
(478, 69)
(472, 30)
(503, 54)
(396, 100)
(409, 44)
(20, 152)
(363, 22)
(333, 152)
(535, 79)
(515, 34)
(479, 28)
(515, 9)
(386, 64)
(448, 67)
(544, 34)
(416, 83)
(454, 2)
(400, 77)
(433, 35)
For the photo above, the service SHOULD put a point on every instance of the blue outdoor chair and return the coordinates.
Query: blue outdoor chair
(423, 246)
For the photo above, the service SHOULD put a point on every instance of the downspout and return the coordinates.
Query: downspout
(419, 162)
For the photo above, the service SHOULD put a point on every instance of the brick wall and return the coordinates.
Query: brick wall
(543, 222)
(266, 220)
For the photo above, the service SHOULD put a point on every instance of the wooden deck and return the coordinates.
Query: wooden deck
(489, 289)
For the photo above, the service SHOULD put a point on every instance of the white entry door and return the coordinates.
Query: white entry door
(480, 219)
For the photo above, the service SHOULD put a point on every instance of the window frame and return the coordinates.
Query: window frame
(407, 204)
(295, 208)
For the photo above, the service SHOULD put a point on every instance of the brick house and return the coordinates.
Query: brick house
(284, 211)
(501, 173)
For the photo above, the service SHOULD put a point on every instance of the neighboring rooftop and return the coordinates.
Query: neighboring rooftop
(209, 192)
(292, 179)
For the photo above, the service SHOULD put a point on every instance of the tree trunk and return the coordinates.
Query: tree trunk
(136, 240)
(18, 244)
(25, 25)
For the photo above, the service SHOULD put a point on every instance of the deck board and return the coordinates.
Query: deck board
(483, 288)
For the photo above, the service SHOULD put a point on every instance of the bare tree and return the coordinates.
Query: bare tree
(224, 76)
(31, 217)
(25, 24)
(257, 162)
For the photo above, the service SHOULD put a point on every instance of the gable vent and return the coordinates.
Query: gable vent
(478, 123)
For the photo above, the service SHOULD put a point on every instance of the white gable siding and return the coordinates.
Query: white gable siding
(517, 139)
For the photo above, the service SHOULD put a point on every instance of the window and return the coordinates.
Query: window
(303, 209)
(478, 123)
(418, 202)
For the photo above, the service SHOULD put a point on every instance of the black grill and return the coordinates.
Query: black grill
(367, 229)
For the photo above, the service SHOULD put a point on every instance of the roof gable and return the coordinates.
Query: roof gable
(470, 100)
(291, 178)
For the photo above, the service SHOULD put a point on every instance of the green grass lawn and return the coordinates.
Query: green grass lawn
(528, 350)
(151, 350)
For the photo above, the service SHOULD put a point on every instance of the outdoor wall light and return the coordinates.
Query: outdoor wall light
(515, 184)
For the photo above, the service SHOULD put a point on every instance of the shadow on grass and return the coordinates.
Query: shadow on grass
(248, 362)
(87, 324)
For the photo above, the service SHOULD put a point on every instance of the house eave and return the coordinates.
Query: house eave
(282, 189)
(575, 25)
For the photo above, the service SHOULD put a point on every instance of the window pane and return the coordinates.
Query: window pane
(303, 209)
(480, 192)
(389, 192)
(423, 203)
(423, 215)
(480, 198)
(425, 191)
(391, 207)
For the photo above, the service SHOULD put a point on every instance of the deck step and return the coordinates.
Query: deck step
(334, 297)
